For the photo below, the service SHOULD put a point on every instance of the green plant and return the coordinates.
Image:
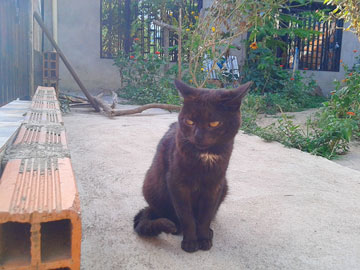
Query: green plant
(144, 80)
(343, 108)
(64, 103)
(264, 69)
(328, 134)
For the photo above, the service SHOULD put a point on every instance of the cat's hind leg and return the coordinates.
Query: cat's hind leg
(147, 223)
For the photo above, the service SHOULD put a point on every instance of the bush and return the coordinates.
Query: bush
(278, 87)
(144, 79)
(327, 135)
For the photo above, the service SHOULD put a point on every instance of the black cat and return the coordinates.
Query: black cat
(186, 182)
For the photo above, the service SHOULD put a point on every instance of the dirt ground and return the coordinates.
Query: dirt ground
(285, 210)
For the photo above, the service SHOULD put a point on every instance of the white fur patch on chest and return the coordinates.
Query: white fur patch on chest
(209, 159)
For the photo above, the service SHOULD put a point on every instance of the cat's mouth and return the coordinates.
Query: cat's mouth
(202, 146)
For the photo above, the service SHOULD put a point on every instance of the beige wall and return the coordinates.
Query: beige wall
(79, 40)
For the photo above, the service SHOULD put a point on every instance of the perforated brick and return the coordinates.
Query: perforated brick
(40, 223)
(39, 117)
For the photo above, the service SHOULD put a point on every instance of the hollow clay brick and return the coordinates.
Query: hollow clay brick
(40, 223)
(50, 135)
(39, 201)
(43, 92)
(45, 105)
(40, 117)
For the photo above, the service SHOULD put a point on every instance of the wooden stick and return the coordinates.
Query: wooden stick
(111, 112)
(103, 105)
(66, 62)
(140, 109)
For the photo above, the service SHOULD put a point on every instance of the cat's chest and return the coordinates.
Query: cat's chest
(202, 166)
(209, 159)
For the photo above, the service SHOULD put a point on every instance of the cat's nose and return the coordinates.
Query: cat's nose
(198, 135)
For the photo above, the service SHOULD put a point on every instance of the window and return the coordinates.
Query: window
(117, 27)
(320, 51)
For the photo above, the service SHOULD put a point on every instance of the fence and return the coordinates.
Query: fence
(14, 50)
(320, 51)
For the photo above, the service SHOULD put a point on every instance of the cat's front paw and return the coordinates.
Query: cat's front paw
(205, 244)
(190, 246)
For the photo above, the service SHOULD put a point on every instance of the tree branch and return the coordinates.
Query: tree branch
(165, 25)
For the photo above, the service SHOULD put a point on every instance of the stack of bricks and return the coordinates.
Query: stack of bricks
(40, 225)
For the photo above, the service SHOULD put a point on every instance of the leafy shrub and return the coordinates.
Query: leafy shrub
(327, 135)
(144, 79)
(278, 87)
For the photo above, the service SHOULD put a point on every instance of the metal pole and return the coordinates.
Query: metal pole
(31, 50)
(66, 62)
(55, 20)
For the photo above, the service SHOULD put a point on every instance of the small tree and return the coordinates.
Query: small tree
(349, 10)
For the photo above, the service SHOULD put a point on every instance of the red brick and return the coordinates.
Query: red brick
(38, 117)
(45, 105)
(40, 225)
(30, 134)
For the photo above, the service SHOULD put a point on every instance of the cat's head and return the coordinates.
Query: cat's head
(210, 117)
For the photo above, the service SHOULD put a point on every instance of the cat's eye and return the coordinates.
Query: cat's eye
(214, 124)
(189, 122)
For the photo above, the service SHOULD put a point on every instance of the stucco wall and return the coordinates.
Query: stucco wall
(79, 39)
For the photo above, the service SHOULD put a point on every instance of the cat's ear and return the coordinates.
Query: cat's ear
(233, 98)
(185, 90)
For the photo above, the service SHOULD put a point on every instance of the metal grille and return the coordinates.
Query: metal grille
(117, 17)
(320, 51)
(14, 50)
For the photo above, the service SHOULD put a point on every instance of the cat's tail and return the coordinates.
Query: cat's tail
(147, 223)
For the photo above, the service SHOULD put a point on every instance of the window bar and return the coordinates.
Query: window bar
(127, 25)
(331, 46)
(312, 47)
(308, 44)
(340, 25)
(317, 45)
(288, 53)
(326, 53)
(337, 46)
(280, 52)
(291, 48)
(120, 21)
(142, 33)
(109, 32)
(322, 47)
(150, 35)
(292, 45)
(301, 49)
(101, 28)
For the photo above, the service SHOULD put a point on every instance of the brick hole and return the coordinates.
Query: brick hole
(15, 244)
(56, 240)
(63, 268)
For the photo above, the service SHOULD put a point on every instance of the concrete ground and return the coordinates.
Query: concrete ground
(285, 210)
(11, 117)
